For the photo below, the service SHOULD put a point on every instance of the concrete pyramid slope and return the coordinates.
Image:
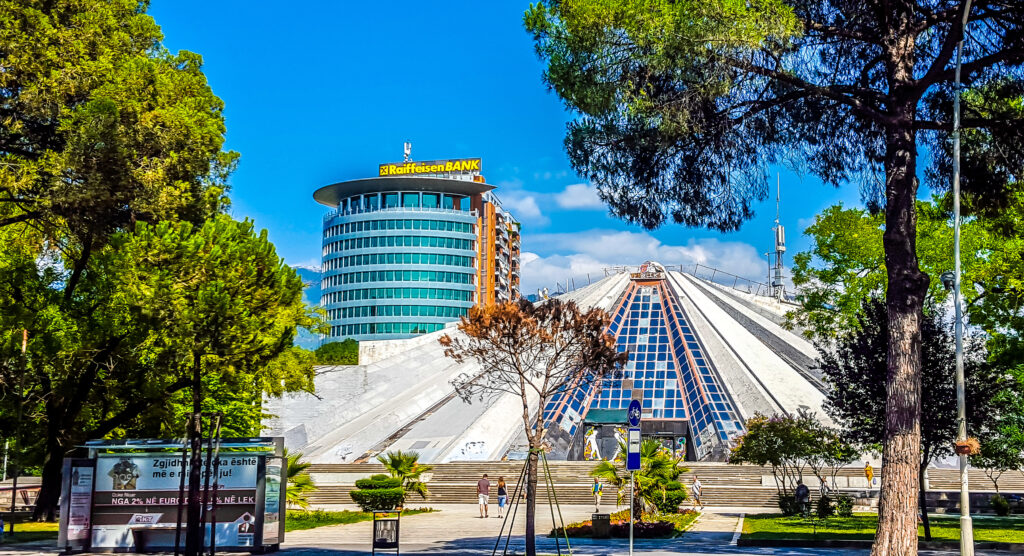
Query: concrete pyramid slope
(704, 358)
(402, 401)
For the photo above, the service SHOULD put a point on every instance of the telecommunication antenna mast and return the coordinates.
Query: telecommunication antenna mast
(778, 287)
(408, 152)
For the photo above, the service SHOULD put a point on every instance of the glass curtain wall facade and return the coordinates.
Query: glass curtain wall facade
(398, 263)
(406, 255)
(667, 370)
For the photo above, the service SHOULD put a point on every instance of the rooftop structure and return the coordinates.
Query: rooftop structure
(414, 248)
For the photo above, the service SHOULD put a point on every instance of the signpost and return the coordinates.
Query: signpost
(633, 415)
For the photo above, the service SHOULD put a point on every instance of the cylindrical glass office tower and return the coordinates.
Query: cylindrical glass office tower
(400, 254)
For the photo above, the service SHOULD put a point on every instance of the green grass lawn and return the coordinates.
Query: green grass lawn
(862, 527)
(302, 519)
(30, 531)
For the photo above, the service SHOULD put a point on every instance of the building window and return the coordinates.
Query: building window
(390, 200)
(430, 200)
(410, 200)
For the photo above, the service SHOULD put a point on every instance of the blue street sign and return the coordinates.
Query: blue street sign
(633, 449)
(633, 413)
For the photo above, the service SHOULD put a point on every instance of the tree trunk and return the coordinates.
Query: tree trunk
(49, 490)
(531, 503)
(901, 451)
(53, 467)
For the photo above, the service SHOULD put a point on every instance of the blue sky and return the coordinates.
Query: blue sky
(325, 92)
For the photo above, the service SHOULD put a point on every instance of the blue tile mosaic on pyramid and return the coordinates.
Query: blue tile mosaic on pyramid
(666, 364)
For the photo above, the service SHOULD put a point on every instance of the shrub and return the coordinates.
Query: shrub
(670, 505)
(1000, 505)
(644, 529)
(673, 485)
(825, 507)
(378, 493)
(378, 500)
(379, 481)
(844, 506)
(788, 505)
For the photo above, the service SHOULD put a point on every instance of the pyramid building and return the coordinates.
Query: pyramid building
(703, 358)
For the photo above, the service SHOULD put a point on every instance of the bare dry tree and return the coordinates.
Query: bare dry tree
(532, 351)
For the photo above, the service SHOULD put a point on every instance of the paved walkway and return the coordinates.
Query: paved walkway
(456, 530)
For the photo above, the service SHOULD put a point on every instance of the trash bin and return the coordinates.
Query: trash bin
(602, 525)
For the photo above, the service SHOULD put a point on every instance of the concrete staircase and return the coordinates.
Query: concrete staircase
(455, 483)
(724, 484)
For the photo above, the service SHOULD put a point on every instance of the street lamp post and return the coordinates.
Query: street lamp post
(966, 526)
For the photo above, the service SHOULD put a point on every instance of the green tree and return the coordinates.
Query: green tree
(784, 442)
(829, 452)
(1003, 449)
(300, 484)
(683, 107)
(100, 128)
(846, 263)
(532, 352)
(406, 466)
(345, 352)
(170, 303)
(854, 367)
(655, 481)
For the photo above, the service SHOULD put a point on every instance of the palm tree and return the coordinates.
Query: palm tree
(405, 466)
(300, 484)
(658, 468)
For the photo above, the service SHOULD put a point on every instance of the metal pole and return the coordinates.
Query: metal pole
(631, 481)
(17, 428)
(966, 526)
(7, 448)
(216, 484)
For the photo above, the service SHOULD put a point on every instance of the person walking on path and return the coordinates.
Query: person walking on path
(502, 495)
(869, 474)
(597, 490)
(696, 491)
(483, 492)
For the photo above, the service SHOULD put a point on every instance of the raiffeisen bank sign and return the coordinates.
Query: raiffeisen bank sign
(457, 165)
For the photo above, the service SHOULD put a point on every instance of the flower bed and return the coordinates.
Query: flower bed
(649, 526)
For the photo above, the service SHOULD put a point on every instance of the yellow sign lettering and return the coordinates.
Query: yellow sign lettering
(471, 165)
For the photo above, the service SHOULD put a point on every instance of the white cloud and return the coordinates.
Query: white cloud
(579, 196)
(524, 208)
(572, 256)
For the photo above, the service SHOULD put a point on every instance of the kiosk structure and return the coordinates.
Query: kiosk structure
(126, 496)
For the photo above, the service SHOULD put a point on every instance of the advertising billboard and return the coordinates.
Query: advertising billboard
(134, 491)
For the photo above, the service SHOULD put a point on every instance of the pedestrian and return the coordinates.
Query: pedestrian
(823, 489)
(597, 490)
(803, 497)
(696, 491)
(869, 474)
(483, 492)
(502, 495)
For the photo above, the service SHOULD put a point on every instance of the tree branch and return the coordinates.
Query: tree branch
(857, 104)
(830, 30)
